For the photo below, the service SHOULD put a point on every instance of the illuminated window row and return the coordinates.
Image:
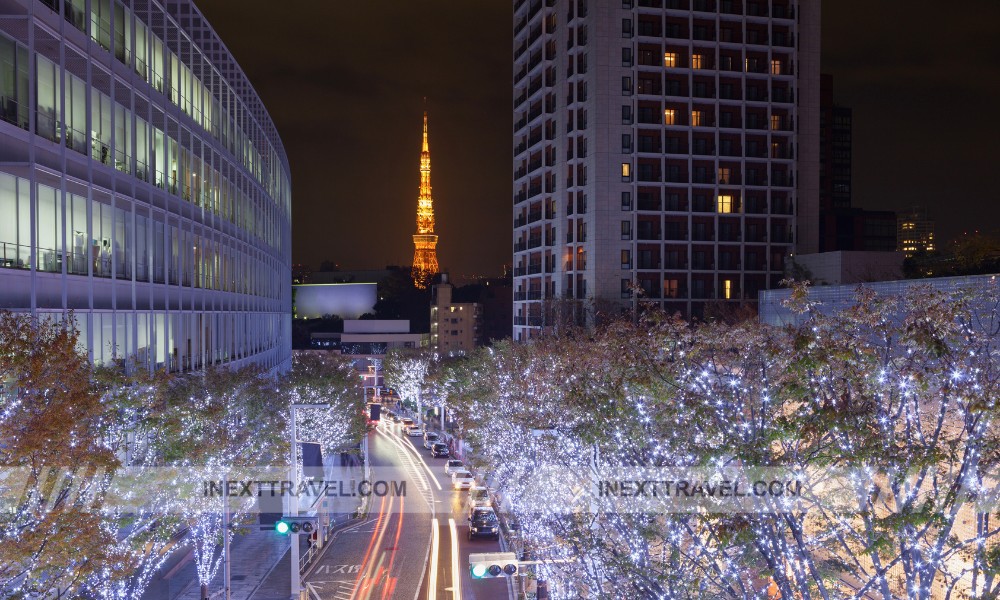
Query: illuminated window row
(127, 240)
(699, 61)
(129, 143)
(135, 44)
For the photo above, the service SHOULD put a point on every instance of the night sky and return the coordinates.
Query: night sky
(345, 84)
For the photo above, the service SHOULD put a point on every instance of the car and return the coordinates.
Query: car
(483, 522)
(407, 422)
(429, 438)
(461, 479)
(440, 450)
(396, 419)
(479, 497)
(415, 431)
(452, 465)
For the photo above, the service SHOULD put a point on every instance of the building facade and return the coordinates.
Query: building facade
(456, 327)
(665, 151)
(143, 186)
(915, 232)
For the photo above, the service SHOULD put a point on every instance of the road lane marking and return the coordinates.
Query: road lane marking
(433, 578)
(456, 576)
(413, 450)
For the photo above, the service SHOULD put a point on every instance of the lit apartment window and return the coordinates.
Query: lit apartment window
(696, 61)
(670, 288)
(775, 67)
(670, 117)
(724, 174)
(725, 203)
(775, 122)
(626, 259)
(670, 59)
(697, 118)
(626, 171)
(727, 289)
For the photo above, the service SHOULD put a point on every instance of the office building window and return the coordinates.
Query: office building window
(626, 171)
(626, 143)
(626, 86)
(727, 289)
(670, 117)
(626, 230)
(626, 57)
(626, 115)
(626, 200)
(775, 122)
(725, 203)
(697, 118)
(670, 59)
(626, 259)
(775, 67)
(697, 61)
(724, 174)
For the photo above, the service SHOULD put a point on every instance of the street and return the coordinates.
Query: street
(413, 546)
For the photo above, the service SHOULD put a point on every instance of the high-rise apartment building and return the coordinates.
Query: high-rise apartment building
(666, 152)
(143, 185)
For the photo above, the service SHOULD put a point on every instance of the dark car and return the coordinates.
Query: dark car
(440, 450)
(483, 523)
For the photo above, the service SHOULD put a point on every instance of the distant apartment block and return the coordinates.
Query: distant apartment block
(915, 232)
(455, 327)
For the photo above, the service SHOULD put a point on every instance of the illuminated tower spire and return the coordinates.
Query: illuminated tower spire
(425, 262)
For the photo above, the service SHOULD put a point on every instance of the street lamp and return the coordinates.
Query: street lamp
(293, 499)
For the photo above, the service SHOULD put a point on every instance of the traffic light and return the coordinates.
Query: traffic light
(287, 525)
(492, 564)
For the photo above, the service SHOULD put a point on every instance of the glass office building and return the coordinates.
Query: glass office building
(143, 186)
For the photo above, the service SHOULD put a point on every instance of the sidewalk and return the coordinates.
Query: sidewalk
(254, 556)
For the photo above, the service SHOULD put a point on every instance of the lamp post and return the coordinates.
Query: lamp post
(293, 500)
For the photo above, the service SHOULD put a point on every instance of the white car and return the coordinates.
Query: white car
(479, 497)
(453, 465)
(415, 431)
(430, 438)
(461, 479)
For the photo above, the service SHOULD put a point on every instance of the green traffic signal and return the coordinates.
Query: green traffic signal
(282, 527)
(479, 571)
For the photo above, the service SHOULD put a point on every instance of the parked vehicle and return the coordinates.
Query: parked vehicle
(483, 522)
(440, 450)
